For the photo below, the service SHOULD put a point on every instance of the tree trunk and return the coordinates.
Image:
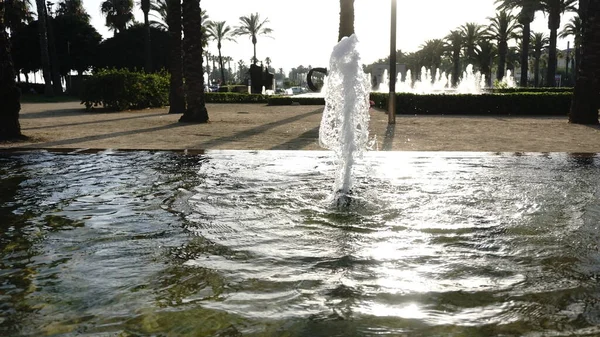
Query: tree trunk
(176, 93)
(147, 43)
(254, 59)
(586, 96)
(10, 94)
(44, 48)
(221, 65)
(525, 54)
(553, 25)
(194, 77)
(502, 50)
(346, 18)
(455, 67)
(536, 68)
(54, 62)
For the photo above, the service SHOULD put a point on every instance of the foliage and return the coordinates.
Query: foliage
(289, 100)
(126, 50)
(118, 14)
(523, 103)
(122, 89)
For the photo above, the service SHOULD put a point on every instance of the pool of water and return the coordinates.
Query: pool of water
(234, 243)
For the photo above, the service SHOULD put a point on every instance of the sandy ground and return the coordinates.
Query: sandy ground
(261, 127)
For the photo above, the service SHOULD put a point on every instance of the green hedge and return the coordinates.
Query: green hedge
(289, 100)
(527, 89)
(122, 89)
(544, 104)
(234, 97)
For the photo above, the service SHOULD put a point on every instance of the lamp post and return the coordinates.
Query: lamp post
(392, 95)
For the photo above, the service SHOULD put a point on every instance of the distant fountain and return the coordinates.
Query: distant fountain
(471, 82)
(345, 122)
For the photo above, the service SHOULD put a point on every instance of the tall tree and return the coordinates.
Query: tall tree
(176, 92)
(539, 42)
(485, 55)
(219, 31)
(9, 92)
(454, 44)
(525, 17)
(73, 8)
(503, 28)
(118, 14)
(432, 52)
(16, 13)
(43, 31)
(145, 5)
(472, 34)
(54, 60)
(252, 26)
(346, 18)
(554, 9)
(194, 76)
(573, 28)
(586, 96)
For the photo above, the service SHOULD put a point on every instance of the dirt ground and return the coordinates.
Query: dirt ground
(261, 127)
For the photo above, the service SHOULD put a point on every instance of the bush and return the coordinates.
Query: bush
(120, 90)
(233, 97)
(527, 89)
(243, 89)
(289, 100)
(544, 104)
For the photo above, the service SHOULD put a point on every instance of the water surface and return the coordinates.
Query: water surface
(239, 243)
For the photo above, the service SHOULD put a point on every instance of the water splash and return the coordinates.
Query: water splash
(345, 123)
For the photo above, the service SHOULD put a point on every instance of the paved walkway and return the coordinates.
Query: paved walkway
(261, 127)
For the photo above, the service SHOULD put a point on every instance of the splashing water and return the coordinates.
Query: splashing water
(345, 123)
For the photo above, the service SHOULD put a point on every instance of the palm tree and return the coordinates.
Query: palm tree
(9, 93)
(554, 9)
(525, 18)
(485, 54)
(253, 27)
(432, 52)
(220, 32)
(268, 62)
(454, 44)
(194, 77)
(176, 92)
(346, 18)
(573, 27)
(502, 29)
(586, 96)
(472, 33)
(145, 5)
(118, 14)
(45, 55)
(539, 42)
(16, 12)
(159, 10)
(73, 8)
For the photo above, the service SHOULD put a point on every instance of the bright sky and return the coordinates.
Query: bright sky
(305, 31)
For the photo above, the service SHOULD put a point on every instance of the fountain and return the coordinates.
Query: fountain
(345, 122)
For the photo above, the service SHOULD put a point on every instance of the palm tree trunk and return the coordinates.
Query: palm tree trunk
(54, 62)
(254, 59)
(346, 18)
(221, 65)
(176, 93)
(586, 96)
(9, 92)
(554, 23)
(194, 77)
(525, 54)
(536, 67)
(455, 67)
(502, 50)
(44, 48)
(147, 43)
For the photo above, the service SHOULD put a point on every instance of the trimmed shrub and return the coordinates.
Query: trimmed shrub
(289, 100)
(543, 104)
(527, 89)
(122, 89)
(234, 88)
(233, 97)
